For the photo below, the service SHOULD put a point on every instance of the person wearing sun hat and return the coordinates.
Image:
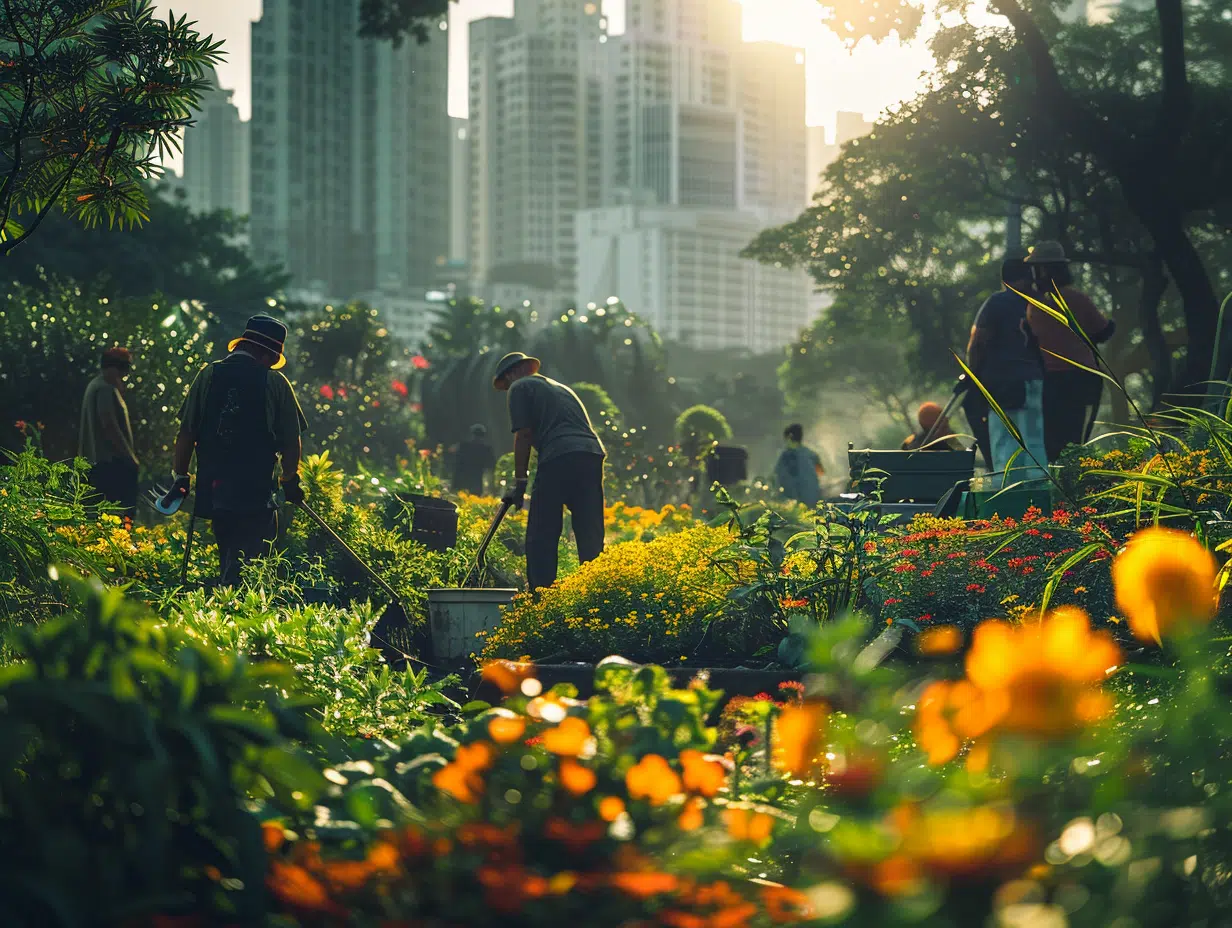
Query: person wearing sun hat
(1071, 395)
(239, 418)
(549, 417)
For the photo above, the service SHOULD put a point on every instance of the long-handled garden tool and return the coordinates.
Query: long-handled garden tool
(475, 574)
(167, 502)
(394, 617)
(960, 390)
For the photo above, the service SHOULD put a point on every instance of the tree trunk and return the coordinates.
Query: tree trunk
(1154, 285)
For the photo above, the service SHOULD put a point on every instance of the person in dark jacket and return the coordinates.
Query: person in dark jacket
(473, 461)
(239, 418)
(107, 433)
(1071, 395)
(549, 417)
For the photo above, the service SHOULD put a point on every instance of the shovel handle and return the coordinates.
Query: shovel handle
(347, 548)
(476, 570)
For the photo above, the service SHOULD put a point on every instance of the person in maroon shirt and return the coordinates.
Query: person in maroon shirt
(1071, 395)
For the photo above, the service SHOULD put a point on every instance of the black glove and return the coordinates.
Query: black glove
(170, 501)
(517, 496)
(292, 490)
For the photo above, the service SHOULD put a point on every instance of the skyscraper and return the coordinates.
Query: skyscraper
(216, 155)
(705, 146)
(534, 144)
(350, 152)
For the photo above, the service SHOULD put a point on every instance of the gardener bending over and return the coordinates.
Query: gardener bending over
(549, 417)
(240, 416)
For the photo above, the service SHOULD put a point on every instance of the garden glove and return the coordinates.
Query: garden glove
(169, 503)
(517, 496)
(292, 490)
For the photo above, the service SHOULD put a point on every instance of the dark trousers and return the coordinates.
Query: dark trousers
(573, 480)
(241, 536)
(116, 482)
(1071, 402)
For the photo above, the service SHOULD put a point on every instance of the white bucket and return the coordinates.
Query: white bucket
(456, 615)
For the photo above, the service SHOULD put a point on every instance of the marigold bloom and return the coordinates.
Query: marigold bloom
(963, 842)
(940, 639)
(785, 905)
(299, 889)
(568, 739)
(575, 836)
(690, 818)
(1043, 678)
(1164, 579)
(461, 778)
(704, 775)
(611, 808)
(798, 732)
(652, 778)
(507, 675)
(746, 825)
(505, 729)
(272, 836)
(575, 778)
(644, 885)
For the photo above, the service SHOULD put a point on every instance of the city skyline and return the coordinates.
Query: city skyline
(865, 80)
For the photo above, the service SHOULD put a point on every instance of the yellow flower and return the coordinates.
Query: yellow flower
(940, 639)
(1164, 579)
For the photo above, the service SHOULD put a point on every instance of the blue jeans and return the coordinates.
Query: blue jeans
(1030, 424)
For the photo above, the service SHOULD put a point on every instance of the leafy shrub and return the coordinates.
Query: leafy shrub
(700, 426)
(651, 600)
(353, 690)
(949, 571)
(541, 812)
(130, 747)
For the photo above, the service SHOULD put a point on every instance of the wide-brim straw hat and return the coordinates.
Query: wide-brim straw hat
(509, 362)
(1047, 253)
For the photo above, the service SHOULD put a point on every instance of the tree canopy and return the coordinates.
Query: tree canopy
(93, 95)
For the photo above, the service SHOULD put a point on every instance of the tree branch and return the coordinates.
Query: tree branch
(1176, 100)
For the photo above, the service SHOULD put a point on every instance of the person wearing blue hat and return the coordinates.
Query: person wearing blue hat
(549, 417)
(239, 418)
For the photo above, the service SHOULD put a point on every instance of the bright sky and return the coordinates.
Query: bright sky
(866, 80)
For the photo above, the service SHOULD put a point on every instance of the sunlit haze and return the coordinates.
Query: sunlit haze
(865, 80)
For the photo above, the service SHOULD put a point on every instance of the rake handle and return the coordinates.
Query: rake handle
(347, 548)
(477, 567)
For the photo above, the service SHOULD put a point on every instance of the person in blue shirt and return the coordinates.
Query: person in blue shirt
(798, 469)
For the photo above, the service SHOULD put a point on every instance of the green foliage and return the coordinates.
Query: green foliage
(353, 691)
(177, 255)
(50, 342)
(354, 374)
(699, 427)
(129, 746)
(94, 94)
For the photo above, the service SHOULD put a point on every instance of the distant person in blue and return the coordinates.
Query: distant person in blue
(798, 469)
(1005, 355)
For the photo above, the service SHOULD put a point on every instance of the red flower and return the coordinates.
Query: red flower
(892, 601)
(376, 404)
(976, 588)
(420, 363)
(326, 391)
(926, 617)
(416, 407)
(342, 392)
(904, 568)
(398, 387)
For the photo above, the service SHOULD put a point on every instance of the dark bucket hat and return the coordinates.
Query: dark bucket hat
(264, 332)
(509, 362)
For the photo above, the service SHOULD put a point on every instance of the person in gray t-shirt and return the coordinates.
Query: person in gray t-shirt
(549, 417)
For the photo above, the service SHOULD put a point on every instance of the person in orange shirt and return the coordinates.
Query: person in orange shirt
(1071, 395)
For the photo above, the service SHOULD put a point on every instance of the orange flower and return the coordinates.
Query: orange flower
(508, 888)
(507, 675)
(611, 808)
(653, 779)
(691, 815)
(575, 778)
(1164, 580)
(799, 731)
(785, 905)
(963, 842)
(346, 875)
(746, 825)
(939, 639)
(461, 778)
(568, 739)
(703, 774)
(299, 889)
(1043, 678)
(948, 714)
(272, 836)
(577, 837)
(644, 885)
(506, 729)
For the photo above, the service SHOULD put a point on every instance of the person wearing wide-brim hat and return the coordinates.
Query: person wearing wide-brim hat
(549, 417)
(239, 418)
(1071, 395)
